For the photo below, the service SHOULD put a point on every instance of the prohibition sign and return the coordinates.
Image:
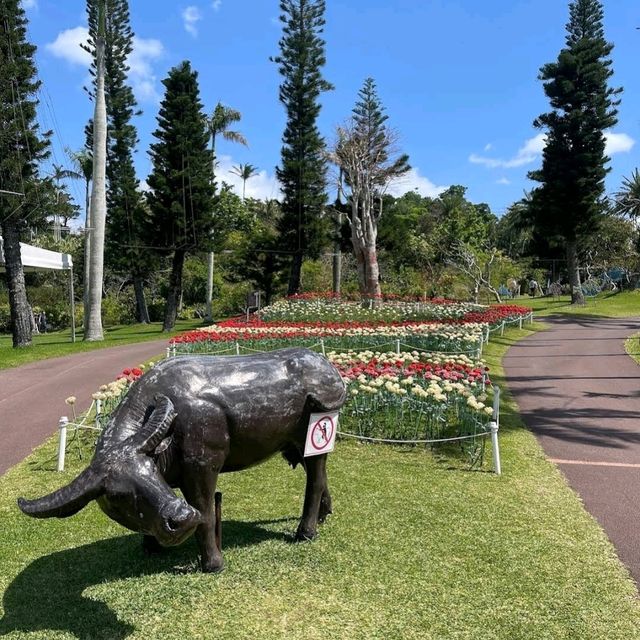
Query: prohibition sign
(322, 433)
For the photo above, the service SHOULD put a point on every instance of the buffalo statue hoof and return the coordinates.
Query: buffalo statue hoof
(212, 566)
(303, 535)
(151, 546)
(325, 510)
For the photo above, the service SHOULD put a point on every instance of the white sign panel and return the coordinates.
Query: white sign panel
(321, 434)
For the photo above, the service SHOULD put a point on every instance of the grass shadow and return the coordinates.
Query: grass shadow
(48, 594)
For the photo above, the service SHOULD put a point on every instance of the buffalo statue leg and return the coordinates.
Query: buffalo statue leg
(199, 490)
(316, 488)
(326, 506)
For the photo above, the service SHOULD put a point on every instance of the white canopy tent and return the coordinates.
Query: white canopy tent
(37, 259)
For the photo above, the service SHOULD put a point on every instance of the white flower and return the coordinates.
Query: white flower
(71, 400)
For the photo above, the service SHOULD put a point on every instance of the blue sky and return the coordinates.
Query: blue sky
(458, 78)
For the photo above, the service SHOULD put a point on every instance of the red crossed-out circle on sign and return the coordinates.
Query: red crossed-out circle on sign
(322, 432)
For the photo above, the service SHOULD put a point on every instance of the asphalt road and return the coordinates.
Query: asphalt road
(579, 392)
(32, 396)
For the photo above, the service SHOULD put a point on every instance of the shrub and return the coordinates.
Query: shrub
(5, 318)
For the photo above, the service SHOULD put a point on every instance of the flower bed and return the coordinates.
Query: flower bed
(266, 336)
(415, 396)
(329, 308)
(336, 310)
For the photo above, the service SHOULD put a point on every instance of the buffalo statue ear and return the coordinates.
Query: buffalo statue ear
(155, 428)
(68, 500)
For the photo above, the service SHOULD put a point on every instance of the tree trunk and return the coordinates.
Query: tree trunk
(577, 297)
(141, 301)
(210, 267)
(18, 304)
(93, 322)
(175, 289)
(87, 252)
(476, 292)
(337, 261)
(372, 275)
(368, 274)
(295, 275)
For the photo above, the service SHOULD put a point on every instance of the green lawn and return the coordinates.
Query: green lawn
(605, 305)
(51, 345)
(632, 346)
(418, 547)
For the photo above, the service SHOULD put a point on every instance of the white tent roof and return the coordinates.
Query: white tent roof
(37, 259)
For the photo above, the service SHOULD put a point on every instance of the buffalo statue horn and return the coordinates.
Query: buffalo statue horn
(156, 427)
(65, 501)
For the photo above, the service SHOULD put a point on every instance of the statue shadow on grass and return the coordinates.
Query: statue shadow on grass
(48, 594)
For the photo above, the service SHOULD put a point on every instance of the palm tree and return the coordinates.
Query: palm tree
(218, 124)
(83, 161)
(93, 317)
(627, 201)
(245, 172)
(58, 174)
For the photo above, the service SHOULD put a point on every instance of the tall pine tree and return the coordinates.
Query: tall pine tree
(127, 222)
(569, 202)
(181, 181)
(303, 168)
(22, 146)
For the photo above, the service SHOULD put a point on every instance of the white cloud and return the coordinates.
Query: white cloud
(618, 143)
(29, 4)
(504, 181)
(262, 186)
(191, 16)
(67, 46)
(145, 51)
(143, 79)
(413, 181)
(533, 148)
(216, 4)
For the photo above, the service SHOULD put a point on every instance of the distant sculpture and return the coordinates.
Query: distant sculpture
(187, 420)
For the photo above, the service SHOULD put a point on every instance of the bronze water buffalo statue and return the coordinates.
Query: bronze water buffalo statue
(187, 420)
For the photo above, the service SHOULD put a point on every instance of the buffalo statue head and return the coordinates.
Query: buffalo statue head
(125, 481)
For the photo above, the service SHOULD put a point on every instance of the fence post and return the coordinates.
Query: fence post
(324, 352)
(168, 352)
(398, 346)
(98, 412)
(173, 350)
(502, 329)
(62, 441)
(531, 318)
(495, 447)
(520, 320)
(237, 348)
(496, 405)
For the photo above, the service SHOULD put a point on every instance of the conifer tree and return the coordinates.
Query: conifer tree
(181, 181)
(302, 172)
(368, 160)
(569, 202)
(22, 146)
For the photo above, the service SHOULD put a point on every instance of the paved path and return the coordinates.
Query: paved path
(579, 392)
(32, 396)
